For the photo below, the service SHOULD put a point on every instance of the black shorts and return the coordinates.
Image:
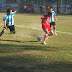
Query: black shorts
(53, 23)
(12, 28)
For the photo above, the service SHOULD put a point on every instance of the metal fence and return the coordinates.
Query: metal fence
(59, 6)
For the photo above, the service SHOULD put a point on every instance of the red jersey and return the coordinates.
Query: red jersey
(45, 21)
(47, 9)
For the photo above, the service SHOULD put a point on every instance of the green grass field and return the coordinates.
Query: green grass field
(23, 53)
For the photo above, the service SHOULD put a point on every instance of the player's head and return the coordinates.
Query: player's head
(9, 11)
(49, 14)
(51, 9)
(48, 7)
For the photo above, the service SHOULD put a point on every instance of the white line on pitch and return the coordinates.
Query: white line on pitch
(41, 29)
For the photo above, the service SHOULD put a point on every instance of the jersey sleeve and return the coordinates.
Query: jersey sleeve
(54, 14)
(13, 13)
(5, 18)
(46, 13)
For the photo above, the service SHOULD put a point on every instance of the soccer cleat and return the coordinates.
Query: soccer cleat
(44, 43)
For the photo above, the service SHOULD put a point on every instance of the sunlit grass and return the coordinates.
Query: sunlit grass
(23, 53)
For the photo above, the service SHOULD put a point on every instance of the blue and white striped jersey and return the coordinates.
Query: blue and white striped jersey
(52, 17)
(9, 19)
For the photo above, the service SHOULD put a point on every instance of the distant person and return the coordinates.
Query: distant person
(40, 8)
(32, 10)
(52, 20)
(9, 21)
(28, 10)
(25, 9)
(45, 26)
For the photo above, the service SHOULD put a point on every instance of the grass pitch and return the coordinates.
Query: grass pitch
(23, 53)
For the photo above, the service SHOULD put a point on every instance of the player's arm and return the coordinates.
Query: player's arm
(46, 13)
(15, 11)
(5, 24)
(55, 18)
(42, 6)
(44, 18)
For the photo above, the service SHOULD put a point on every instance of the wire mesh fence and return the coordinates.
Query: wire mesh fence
(59, 6)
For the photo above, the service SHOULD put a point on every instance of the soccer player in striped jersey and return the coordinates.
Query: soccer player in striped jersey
(45, 26)
(9, 21)
(52, 20)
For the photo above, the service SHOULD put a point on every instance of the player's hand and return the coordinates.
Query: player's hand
(56, 19)
(15, 11)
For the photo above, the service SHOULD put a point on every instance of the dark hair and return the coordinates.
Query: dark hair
(50, 7)
(8, 10)
(49, 14)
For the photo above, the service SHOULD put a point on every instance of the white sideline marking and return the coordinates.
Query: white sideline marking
(64, 32)
(27, 27)
(41, 29)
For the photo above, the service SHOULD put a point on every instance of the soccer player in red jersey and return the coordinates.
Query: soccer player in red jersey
(45, 26)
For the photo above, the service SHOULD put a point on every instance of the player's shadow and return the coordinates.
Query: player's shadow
(10, 40)
(32, 41)
(29, 47)
(19, 58)
(18, 41)
(38, 47)
(11, 48)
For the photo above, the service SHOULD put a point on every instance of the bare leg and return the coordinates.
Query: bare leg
(45, 36)
(2, 31)
(54, 29)
(51, 33)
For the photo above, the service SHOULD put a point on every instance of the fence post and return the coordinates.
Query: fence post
(61, 6)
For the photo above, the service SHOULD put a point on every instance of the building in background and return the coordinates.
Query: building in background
(59, 6)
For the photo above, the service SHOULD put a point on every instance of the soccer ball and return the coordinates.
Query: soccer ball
(39, 38)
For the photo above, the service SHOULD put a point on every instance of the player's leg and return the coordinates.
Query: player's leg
(12, 29)
(4, 29)
(54, 28)
(45, 36)
(51, 33)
